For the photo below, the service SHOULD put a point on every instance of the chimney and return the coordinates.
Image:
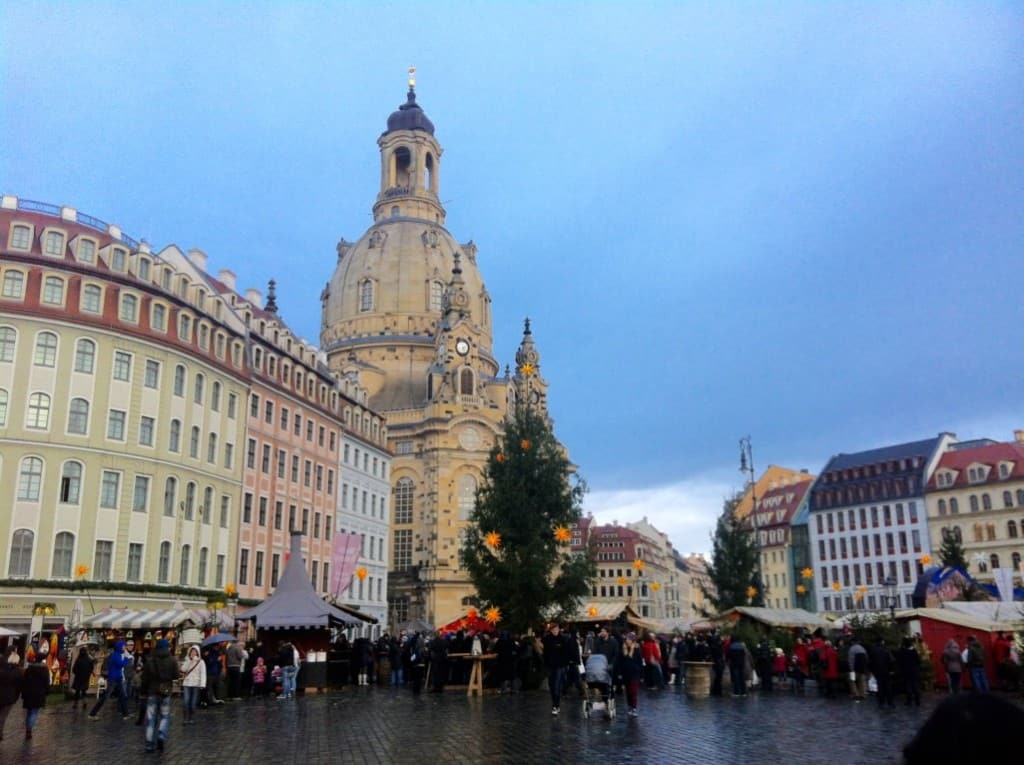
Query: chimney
(254, 296)
(228, 277)
(1019, 436)
(198, 258)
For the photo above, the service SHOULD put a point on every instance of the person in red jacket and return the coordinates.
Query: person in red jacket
(651, 652)
(829, 668)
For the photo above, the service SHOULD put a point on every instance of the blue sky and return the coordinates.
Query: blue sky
(798, 221)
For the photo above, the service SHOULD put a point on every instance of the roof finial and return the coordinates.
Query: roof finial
(412, 78)
(271, 305)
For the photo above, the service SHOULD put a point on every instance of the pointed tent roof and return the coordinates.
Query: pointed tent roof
(295, 604)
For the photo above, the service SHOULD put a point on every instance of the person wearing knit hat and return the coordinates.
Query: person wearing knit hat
(158, 676)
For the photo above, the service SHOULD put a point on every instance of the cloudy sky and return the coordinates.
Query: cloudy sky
(801, 222)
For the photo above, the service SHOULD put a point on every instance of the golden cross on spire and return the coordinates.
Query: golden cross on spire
(412, 77)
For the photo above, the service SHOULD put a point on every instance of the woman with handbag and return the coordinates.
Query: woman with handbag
(193, 681)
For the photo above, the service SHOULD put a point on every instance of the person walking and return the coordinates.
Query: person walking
(158, 676)
(35, 684)
(115, 683)
(908, 666)
(716, 652)
(738, 660)
(976, 664)
(829, 668)
(631, 668)
(556, 654)
(81, 674)
(10, 690)
(881, 661)
(652, 662)
(213, 673)
(858, 670)
(288, 660)
(952, 660)
(193, 681)
(234, 660)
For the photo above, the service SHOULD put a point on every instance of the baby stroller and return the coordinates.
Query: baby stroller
(598, 697)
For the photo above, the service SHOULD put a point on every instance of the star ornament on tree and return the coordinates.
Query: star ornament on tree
(525, 444)
(562, 534)
(493, 615)
(801, 589)
(493, 540)
(499, 457)
(751, 591)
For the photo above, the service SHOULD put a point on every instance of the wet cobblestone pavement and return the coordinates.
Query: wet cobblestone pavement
(384, 725)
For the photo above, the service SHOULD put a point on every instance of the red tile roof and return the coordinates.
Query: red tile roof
(990, 454)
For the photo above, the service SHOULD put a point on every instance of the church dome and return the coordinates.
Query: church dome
(410, 116)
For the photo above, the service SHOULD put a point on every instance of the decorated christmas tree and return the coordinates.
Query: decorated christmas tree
(517, 548)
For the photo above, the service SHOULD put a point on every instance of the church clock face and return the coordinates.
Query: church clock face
(462, 347)
(469, 439)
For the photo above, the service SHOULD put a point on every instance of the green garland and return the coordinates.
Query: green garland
(82, 585)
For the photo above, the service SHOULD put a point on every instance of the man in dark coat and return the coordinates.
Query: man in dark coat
(438, 663)
(882, 665)
(35, 684)
(716, 653)
(557, 655)
(158, 676)
(81, 673)
(10, 690)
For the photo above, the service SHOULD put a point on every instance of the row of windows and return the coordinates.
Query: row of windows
(262, 513)
(838, 549)
(368, 294)
(870, 602)
(404, 493)
(53, 245)
(30, 482)
(978, 474)
(312, 476)
(890, 487)
(986, 502)
(102, 569)
(983, 532)
(12, 287)
(351, 456)
(293, 424)
(842, 519)
(866, 471)
(880, 572)
(373, 507)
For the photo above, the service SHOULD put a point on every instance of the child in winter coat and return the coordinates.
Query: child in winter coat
(259, 678)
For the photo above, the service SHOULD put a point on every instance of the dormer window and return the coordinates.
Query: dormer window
(54, 244)
(87, 251)
(21, 237)
(129, 308)
(119, 259)
(1005, 468)
(144, 269)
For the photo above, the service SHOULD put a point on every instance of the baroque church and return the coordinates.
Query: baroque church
(407, 314)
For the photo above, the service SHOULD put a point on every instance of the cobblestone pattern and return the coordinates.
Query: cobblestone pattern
(382, 725)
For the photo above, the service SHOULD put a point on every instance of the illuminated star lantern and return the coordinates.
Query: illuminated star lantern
(655, 586)
(493, 540)
(858, 596)
(493, 615)
(230, 590)
(926, 559)
(836, 586)
(592, 611)
(862, 589)
(499, 457)
(621, 580)
(751, 591)
(807, 573)
(524, 444)
(638, 564)
(801, 589)
(82, 570)
(361, 572)
(562, 534)
(527, 369)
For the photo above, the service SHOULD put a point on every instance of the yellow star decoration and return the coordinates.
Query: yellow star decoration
(82, 570)
(562, 534)
(493, 539)
(862, 589)
(527, 369)
(493, 615)
(361, 573)
(621, 580)
(524, 444)
(230, 590)
(926, 559)
(592, 611)
(751, 592)
(638, 564)
(801, 589)
(807, 573)
(858, 596)
(655, 586)
(836, 586)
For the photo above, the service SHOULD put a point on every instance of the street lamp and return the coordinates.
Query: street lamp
(891, 595)
(747, 468)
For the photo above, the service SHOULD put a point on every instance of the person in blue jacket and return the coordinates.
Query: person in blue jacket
(115, 683)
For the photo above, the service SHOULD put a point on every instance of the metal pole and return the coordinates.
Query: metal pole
(747, 466)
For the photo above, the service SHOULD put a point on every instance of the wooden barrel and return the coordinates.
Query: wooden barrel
(698, 679)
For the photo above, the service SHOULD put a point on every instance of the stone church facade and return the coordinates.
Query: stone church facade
(408, 315)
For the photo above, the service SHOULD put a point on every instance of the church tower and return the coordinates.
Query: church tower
(407, 312)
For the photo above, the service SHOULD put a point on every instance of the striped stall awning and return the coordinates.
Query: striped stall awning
(130, 619)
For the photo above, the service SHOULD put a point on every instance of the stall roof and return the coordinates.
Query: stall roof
(972, 615)
(609, 612)
(790, 618)
(295, 604)
(131, 619)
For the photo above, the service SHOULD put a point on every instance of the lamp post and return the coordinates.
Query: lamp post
(891, 595)
(747, 468)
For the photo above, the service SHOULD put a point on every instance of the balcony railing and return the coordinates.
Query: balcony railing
(31, 205)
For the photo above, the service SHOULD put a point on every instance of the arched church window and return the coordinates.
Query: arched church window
(431, 179)
(467, 496)
(466, 382)
(436, 296)
(403, 500)
(366, 296)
